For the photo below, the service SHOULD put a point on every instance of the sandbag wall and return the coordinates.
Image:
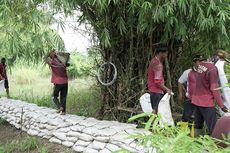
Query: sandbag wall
(87, 135)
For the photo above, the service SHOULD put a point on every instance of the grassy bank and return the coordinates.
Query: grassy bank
(32, 84)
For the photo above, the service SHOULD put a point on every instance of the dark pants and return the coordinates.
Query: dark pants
(155, 99)
(207, 114)
(188, 111)
(62, 90)
(6, 84)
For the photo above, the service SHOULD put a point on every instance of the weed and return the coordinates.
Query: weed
(30, 143)
(42, 150)
(2, 121)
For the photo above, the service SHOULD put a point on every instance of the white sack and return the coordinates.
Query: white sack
(164, 110)
(146, 103)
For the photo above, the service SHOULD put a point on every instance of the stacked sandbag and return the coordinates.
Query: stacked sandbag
(83, 134)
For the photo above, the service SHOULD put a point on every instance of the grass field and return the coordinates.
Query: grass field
(32, 84)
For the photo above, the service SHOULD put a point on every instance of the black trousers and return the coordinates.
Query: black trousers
(155, 99)
(6, 84)
(62, 90)
(207, 114)
(188, 111)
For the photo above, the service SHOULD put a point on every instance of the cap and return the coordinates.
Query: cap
(198, 57)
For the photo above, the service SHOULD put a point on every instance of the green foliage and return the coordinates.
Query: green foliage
(81, 65)
(30, 143)
(2, 121)
(174, 139)
(25, 32)
(42, 150)
(126, 32)
(8, 148)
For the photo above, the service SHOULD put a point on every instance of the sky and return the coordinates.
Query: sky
(75, 36)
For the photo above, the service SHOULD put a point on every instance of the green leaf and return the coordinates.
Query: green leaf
(150, 122)
(139, 116)
(105, 38)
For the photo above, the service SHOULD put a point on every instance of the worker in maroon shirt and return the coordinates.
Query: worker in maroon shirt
(155, 78)
(60, 80)
(204, 93)
(3, 76)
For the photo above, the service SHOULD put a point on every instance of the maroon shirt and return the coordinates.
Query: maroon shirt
(155, 76)
(59, 73)
(205, 91)
(3, 71)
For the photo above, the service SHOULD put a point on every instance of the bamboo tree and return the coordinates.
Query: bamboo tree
(129, 31)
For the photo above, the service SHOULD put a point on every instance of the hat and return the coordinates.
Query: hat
(221, 53)
(198, 57)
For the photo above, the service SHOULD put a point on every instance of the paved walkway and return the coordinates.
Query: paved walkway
(87, 135)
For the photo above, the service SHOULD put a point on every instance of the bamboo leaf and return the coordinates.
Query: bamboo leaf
(105, 38)
(138, 116)
(150, 122)
(121, 25)
(146, 6)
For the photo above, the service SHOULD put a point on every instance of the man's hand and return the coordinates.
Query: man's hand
(49, 60)
(224, 109)
(169, 91)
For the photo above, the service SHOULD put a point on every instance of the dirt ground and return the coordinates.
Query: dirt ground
(9, 134)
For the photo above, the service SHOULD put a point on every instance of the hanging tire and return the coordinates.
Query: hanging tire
(107, 67)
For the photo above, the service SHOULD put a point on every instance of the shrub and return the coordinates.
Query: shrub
(173, 139)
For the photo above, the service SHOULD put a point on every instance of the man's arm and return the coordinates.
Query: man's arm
(213, 77)
(166, 89)
(158, 77)
(180, 91)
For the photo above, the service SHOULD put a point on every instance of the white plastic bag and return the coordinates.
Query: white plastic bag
(164, 110)
(2, 87)
(146, 103)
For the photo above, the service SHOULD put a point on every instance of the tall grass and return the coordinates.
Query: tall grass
(31, 83)
(29, 144)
